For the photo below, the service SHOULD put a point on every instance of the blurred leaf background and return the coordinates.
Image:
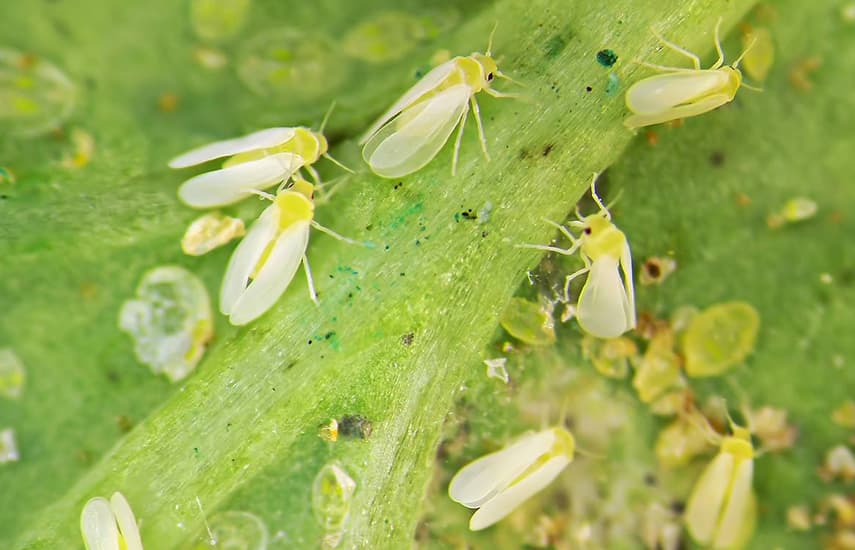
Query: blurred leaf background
(412, 318)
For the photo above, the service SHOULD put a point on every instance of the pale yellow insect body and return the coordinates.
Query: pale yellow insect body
(606, 305)
(722, 509)
(680, 93)
(499, 482)
(266, 260)
(255, 161)
(411, 132)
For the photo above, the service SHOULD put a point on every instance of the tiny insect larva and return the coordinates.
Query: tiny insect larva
(256, 161)
(679, 93)
(109, 524)
(499, 482)
(266, 260)
(413, 130)
(606, 305)
(722, 508)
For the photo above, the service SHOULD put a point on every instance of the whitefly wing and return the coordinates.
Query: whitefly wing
(626, 267)
(411, 140)
(127, 522)
(236, 182)
(506, 501)
(482, 479)
(261, 139)
(663, 92)
(703, 509)
(274, 276)
(603, 309)
(246, 256)
(683, 111)
(427, 83)
(737, 518)
(98, 526)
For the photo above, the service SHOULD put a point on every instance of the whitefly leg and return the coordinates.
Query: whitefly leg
(480, 125)
(720, 61)
(310, 281)
(457, 141)
(569, 279)
(696, 62)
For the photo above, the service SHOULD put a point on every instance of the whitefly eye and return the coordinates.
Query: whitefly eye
(489, 77)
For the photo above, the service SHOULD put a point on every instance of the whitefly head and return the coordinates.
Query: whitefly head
(109, 524)
(499, 482)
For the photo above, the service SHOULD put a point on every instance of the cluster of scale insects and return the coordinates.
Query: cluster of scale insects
(720, 512)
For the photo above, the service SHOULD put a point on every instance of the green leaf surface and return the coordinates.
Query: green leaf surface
(402, 326)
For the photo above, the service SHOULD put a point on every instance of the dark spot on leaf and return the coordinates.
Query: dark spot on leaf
(554, 46)
(717, 158)
(588, 88)
(606, 58)
(408, 338)
(653, 269)
(547, 149)
(355, 425)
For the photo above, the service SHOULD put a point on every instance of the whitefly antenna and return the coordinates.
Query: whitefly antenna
(327, 117)
(489, 51)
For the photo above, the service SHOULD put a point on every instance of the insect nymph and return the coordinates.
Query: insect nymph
(679, 92)
(606, 306)
(408, 135)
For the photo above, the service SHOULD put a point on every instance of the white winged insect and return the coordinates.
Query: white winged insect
(255, 161)
(499, 482)
(722, 509)
(266, 260)
(109, 524)
(606, 305)
(413, 130)
(679, 92)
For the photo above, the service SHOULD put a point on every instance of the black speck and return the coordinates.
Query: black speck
(717, 158)
(387, 247)
(547, 149)
(606, 58)
(407, 339)
(468, 214)
(329, 335)
(310, 342)
(484, 234)
(397, 185)
(369, 227)
(588, 88)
